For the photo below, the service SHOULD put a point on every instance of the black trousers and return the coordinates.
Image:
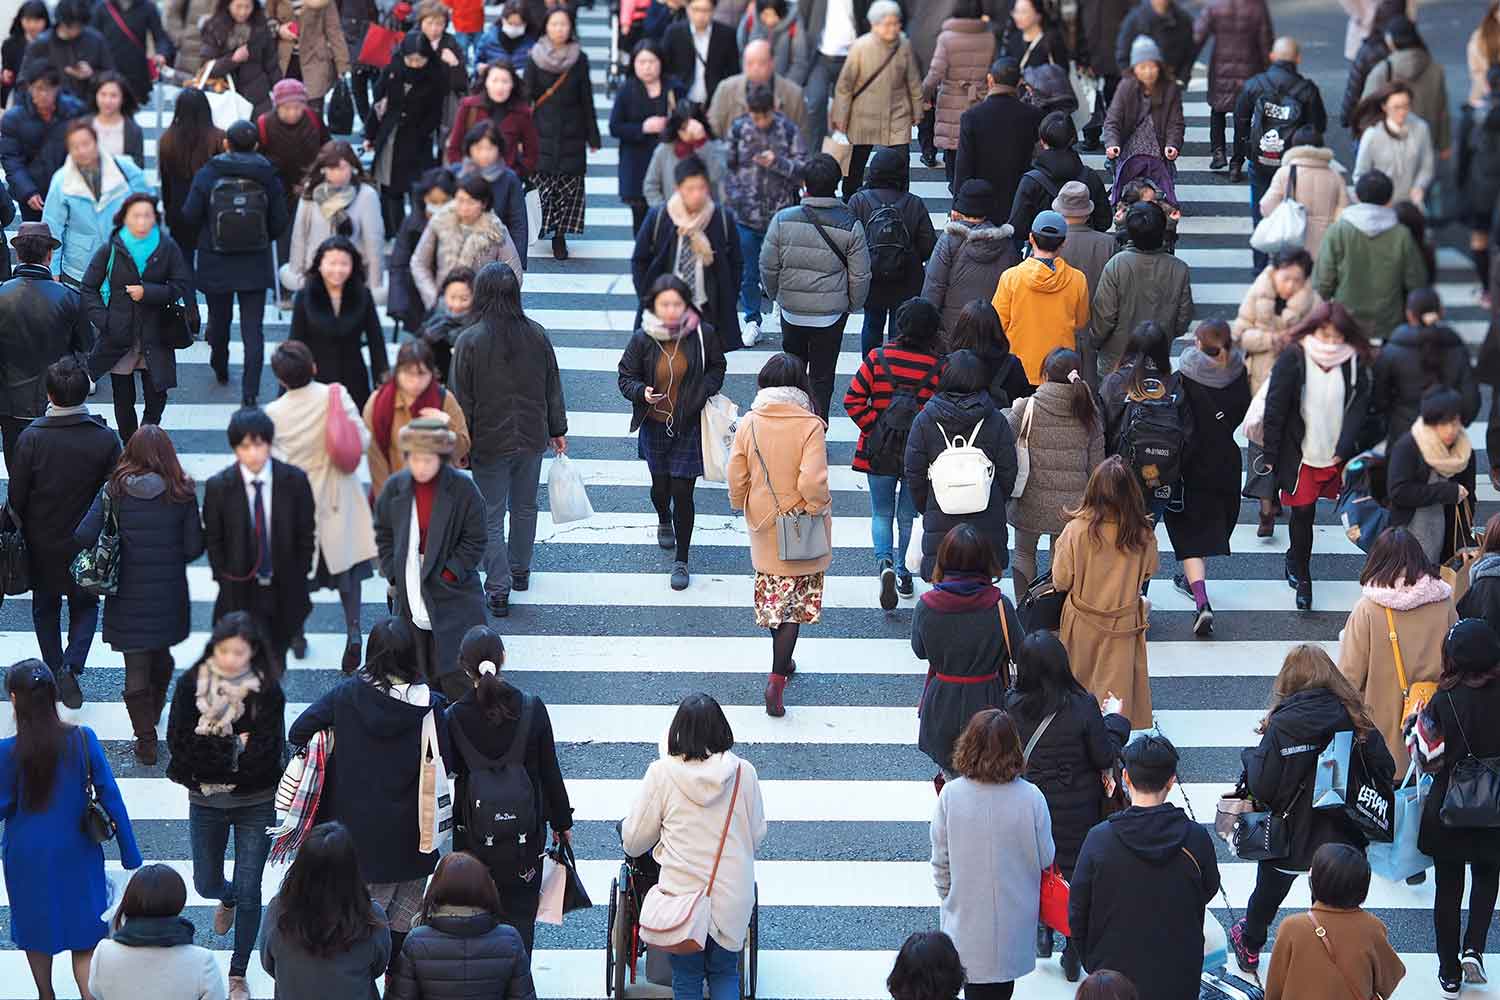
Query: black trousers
(989, 991)
(123, 387)
(1271, 888)
(10, 430)
(818, 347)
(1449, 901)
(252, 321)
(856, 176)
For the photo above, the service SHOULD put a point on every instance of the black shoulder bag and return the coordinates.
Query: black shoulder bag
(1473, 796)
(98, 825)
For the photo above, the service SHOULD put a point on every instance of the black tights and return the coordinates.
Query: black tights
(123, 387)
(1299, 550)
(1448, 902)
(783, 645)
(673, 499)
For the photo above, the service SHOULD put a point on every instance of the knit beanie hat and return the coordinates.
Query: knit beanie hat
(1144, 49)
(976, 199)
(1472, 646)
(428, 435)
(288, 89)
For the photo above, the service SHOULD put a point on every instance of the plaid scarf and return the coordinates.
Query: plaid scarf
(298, 794)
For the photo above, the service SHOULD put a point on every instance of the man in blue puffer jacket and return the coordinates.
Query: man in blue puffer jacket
(31, 139)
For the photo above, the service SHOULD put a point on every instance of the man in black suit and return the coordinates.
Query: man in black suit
(698, 53)
(1002, 113)
(41, 320)
(258, 524)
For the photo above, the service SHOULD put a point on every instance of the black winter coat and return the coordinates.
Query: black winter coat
(1482, 600)
(1242, 36)
(51, 49)
(1280, 772)
(125, 322)
(1112, 400)
(470, 957)
(31, 150)
(962, 642)
(234, 272)
(1284, 427)
(451, 589)
(655, 254)
(1078, 744)
(1479, 159)
(1172, 31)
(41, 321)
(1401, 379)
(510, 389)
(229, 539)
(1408, 489)
(680, 58)
(1051, 169)
(1008, 381)
(1000, 163)
(973, 414)
(253, 77)
(159, 536)
(567, 122)
(1473, 710)
(195, 760)
(371, 786)
(402, 303)
(59, 465)
(414, 103)
(143, 20)
(494, 740)
(631, 109)
(1279, 78)
(887, 182)
(1048, 48)
(1138, 892)
(704, 378)
(1369, 55)
(1099, 25)
(337, 339)
(1213, 462)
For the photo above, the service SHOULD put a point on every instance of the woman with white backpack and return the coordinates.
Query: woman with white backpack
(961, 460)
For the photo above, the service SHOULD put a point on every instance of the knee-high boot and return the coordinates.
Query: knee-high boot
(139, 704)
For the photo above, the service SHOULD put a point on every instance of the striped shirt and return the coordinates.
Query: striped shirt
(870, 391)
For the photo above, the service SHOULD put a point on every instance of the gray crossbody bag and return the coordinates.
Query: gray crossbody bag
(800, 536)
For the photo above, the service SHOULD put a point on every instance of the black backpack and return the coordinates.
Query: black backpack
(1153, 440)
(239, 213)
(499, 811)
(885, 443)
(1274, 119)
(890, 243)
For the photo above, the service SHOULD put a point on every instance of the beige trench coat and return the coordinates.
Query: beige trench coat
(884, 113)
(321, 48)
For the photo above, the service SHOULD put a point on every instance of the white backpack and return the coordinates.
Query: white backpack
(961, 475)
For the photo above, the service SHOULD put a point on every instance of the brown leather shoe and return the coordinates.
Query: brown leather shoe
(223, 924)
(145, 750)
(775, 685)
(1267, 525)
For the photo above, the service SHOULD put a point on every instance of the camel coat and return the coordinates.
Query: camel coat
(1108, 650)
(884, 113)
(345, 530)
(1321, 189)
(321, 48)
(956, 79)
(384, 465)
(1260, 332)
(1300, 967)
(792, 443)
(1367, 660)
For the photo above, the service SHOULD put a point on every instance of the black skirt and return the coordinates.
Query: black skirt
(1203, 527)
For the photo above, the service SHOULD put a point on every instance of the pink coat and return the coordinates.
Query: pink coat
(956, 79)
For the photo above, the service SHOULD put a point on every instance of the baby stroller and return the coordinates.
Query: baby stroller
(623, 946)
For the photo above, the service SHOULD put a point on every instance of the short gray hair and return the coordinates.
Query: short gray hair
(882, 9)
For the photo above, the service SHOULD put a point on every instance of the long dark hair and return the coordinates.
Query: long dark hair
(325, 906)
(482, 645)
(128, 104)
(1422, 303)
(1371, 110)
(391, 651)
(352, 287)
(41, 736)
(1062, 366)
(978, 327)
(1113, 495)
(1148, 353)
(329, 155)
(240, 625)
(497, 300)
(1044, 676)
(192, 139)
(517, 96)
(150, 449)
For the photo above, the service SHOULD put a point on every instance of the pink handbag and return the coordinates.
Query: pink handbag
(678, 925)
(341, 437)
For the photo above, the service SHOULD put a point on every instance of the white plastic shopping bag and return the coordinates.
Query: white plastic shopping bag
(719, 419)
(914, 549)
(533, 215)
(565, 493)
(434, 795)
(115, 881)
(554, 882)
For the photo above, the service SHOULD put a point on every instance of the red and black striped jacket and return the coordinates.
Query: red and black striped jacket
(870, 391)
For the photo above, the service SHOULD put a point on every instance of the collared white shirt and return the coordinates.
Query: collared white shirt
(265, 494)
(699, 90)
(838, 29)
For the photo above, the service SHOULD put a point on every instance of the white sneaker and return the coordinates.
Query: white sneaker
(750, 333)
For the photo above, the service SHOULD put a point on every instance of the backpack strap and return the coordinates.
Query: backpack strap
(517, 752)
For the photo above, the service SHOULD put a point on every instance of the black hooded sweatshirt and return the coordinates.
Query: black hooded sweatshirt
(1051, 169)
(887, 178)
(1143, 879)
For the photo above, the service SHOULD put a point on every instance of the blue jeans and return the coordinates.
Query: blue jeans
(209, 830)
(820, 82)
(46, 620)
(873, 334)
(750, 242)
(718, 965)
(508, 483)
(884, 507)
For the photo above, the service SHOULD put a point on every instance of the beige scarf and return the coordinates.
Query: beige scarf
(693, 228)
(221, 698)
(1445, 461)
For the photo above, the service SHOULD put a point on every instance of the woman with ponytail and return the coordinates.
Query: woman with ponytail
(498, 721)
(1064, 432)
(1420, 355)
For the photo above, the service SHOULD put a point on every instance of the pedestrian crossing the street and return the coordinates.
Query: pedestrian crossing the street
(843, 875)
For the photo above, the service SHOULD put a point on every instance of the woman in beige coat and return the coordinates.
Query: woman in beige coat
(956, 78)
(1280, 297)
(412, 391)
(879, 92)
(1401, 592)
(345, 530)
(779, 464)
(315, 37)
(1103, 558)
(1321, 186)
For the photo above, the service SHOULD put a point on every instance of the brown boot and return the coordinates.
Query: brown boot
(775, 685)
(138, 705)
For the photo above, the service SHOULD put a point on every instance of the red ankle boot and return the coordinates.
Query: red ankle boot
(775, 684)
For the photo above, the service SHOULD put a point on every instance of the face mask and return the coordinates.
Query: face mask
(431, 208)
(513, 30)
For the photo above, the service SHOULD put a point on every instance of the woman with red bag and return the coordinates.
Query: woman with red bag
(991, 841)
(319, 430)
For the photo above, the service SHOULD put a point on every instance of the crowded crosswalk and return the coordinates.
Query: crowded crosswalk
(843, 876)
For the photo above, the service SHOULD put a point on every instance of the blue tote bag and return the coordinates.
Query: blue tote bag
(1401, 858)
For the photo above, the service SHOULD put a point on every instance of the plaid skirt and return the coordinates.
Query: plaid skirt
(679, 455)
(782, 600)
(562, 203)
(401, 901)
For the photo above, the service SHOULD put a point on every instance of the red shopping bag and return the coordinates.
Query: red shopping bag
(1054, 902)
(378, 46)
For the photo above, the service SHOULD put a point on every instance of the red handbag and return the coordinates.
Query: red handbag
(378, 46)
(340, 436)
(1054, 902)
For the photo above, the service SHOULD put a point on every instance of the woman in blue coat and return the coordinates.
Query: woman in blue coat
(638, 118)
(86, 192)
(157, 511)
(54, 873)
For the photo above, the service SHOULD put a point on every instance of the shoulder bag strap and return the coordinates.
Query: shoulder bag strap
(766, 470)
(1026, 421)
(1468, 750)
(1328, 947)
(874, 76)
(724, 833)
(1036, 737)
(120, 23)
(552, 89)
(516, 754)
(1005, 635)
(826, 238)
(1390, 624)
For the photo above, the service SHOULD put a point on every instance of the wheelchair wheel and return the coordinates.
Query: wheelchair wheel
(610, 958)
(622, 918)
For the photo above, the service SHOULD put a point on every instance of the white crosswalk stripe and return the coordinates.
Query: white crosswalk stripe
(611, 648)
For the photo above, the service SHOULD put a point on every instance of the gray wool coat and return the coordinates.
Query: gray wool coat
(966, 265)
(1138, 285)
(1062, 456)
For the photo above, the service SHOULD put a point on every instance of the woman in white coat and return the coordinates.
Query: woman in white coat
(679, 817)
(345, 528)
(338, 199)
